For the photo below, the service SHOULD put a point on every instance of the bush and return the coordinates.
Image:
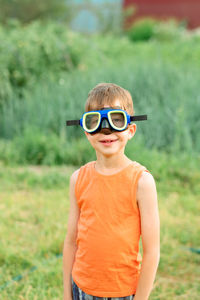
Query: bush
(170, 30)
(30, 52)
(142, 30)
(36, 148)
(149, 28)
(27, 10)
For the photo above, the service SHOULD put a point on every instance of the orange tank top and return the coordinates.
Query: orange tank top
(107, 260)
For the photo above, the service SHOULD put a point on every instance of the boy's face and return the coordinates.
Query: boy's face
(109, 143)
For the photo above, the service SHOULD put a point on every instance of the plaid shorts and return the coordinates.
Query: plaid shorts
(78, 294)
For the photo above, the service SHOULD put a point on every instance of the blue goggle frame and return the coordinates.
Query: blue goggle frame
(105, 114)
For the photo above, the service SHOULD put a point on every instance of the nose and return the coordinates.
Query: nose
(105, 124)
(105, 127)
(105, 131)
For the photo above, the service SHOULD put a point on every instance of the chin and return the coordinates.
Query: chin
(108, 152)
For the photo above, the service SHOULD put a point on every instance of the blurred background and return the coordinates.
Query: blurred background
(52, 53)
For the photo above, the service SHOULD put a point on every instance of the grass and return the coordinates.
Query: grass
(46, 81)
(33, 129)
(34, 208)
(163, 88)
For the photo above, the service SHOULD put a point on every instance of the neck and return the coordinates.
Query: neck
(114, 163)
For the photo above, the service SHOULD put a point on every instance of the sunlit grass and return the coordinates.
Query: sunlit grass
(34, 210)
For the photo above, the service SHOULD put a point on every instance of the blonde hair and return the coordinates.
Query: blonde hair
(106, 94)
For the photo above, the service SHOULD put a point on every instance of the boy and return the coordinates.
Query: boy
(113, 201)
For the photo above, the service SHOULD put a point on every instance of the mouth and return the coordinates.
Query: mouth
(108, 141)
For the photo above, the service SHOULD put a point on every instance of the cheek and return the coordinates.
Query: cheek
(92, 139)
(125, 135)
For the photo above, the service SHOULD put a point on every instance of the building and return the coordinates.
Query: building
(182, 10)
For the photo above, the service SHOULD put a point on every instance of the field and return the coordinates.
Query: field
(46, 74)
(34, 211)
(49, 81)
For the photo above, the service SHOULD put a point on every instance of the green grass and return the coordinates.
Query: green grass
(58, 72)
(34, 210)
(33, 129)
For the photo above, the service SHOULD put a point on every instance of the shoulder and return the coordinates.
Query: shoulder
(74, 177)
(81, 170)
(146, 189)
(146, 179)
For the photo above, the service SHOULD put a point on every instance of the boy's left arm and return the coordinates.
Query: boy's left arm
(150, 231)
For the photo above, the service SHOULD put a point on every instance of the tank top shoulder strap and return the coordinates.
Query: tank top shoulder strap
(84, 176)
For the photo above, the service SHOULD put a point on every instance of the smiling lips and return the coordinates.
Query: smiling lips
(107, 141)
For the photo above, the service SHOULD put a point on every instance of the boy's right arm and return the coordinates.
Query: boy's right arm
(70, 247)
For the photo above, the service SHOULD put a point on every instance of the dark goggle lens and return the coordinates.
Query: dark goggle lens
(118, 119)
(91, 121)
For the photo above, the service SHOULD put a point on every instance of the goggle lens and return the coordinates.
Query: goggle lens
(91, 121)
(118, 120)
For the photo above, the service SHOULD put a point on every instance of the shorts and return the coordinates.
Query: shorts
(78, 294)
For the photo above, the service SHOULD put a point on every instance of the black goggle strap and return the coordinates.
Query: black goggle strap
(72, 122)
(132, 118)
(138, 118)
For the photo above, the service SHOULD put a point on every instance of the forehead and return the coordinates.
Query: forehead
(110, 107)
(115, 104)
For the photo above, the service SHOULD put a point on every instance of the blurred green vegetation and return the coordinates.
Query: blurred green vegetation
(145, 29)
(47, 72)
(26, 10)
(30, 51)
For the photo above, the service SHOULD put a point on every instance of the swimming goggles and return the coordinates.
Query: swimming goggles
(114, 119)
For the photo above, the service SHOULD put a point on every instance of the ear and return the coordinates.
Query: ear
(132, 130)
(87, 135)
